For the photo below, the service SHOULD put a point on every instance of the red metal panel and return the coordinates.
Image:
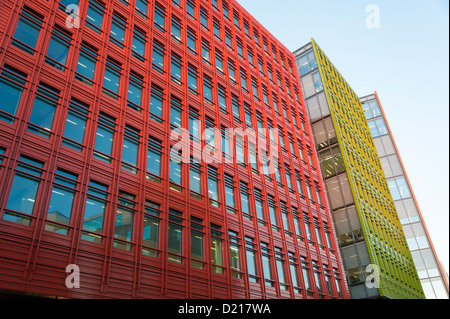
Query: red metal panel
(33, 259)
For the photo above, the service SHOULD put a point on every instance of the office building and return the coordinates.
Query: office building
(374, 249)
(432, 276)
(97, 97)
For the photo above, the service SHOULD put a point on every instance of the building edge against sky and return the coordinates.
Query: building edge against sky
(85, 120)
(431, 274)
(364, 213)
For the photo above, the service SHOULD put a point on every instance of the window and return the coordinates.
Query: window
(222, 97)
(273, 213)
(86, 64)
(216, 29)
(297, 224)
(175, 176)
(318, 233)
(175, 236)
(192, 79)
(259, 205)
(285, 218)
(130, 150)
(213, 189)
(328, 282)
(94, 212)
(159, 18)
(236, 109)
(94, 17)
(118, 26)
(123, 232)
(267, 264)
(175, 113)
(243, 79)
(195, 181)
(219, 61)
(11, 86)
(245, 201)
(194, 125)
(306, 276)
(307, 228)
(27, 31)
(43, 112)
(150, 236)
(317, 277)
(204, 18)
(111, 79)
(230, 194)
(75, 128)
(158, 57)
(378, 127)
(175, 69)
(216, 249)
(104, 137)
(399, 188)
(156, 104)
(371, 109)
(337, 281)
(317, 81)
(196, 243)
(279, 256)
(293, 267)
(22, 196)
(255, 89)
(231, 71)
(234, 254)
(191, 41)
(190, 8)
(154, 160)
(58, 48)
(142, 7)
(135, 89)
(207, 90)
(251, 259)
(206, 51)
(138, 45)
(176, 29)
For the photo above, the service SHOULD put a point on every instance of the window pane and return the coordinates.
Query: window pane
(175, 239)
(75, 127)
(216, 252)
(124, 224)
(104, 139)
(194, 181)
(60, 205)
(58, 50)
(27, 32)
(151, 232)
(175, 172)
(93, 215)
(23, 194)
(43, 113)
(10, 96)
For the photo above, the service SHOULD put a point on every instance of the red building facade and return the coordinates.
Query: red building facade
(91, 92)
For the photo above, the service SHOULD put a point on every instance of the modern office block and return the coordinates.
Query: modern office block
(370, 235)
(432, 276)
(97, 97)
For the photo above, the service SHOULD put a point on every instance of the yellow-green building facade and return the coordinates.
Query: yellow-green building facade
(375, 252)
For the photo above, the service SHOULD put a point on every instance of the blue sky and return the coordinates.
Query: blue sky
(406, 60)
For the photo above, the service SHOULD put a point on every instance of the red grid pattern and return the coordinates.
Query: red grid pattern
(33, 259)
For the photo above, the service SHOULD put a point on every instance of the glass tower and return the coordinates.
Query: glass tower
(432, 276)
